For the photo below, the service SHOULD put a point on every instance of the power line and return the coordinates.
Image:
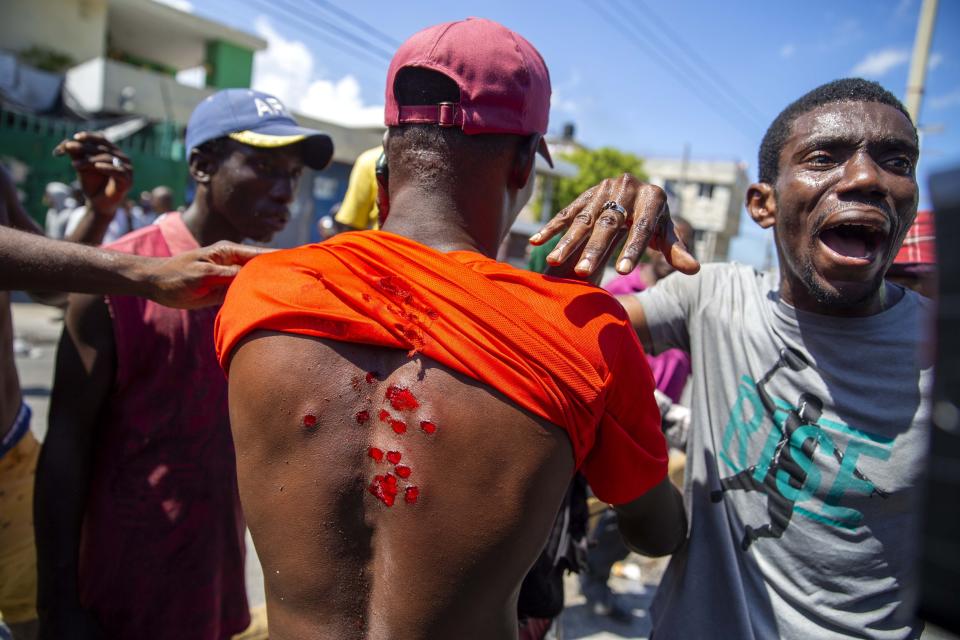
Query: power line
(357, 22)
(308, 26)
(717, 79)
(641, 43)
(733, 104)
(336, 31)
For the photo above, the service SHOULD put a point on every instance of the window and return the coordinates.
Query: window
(706, 190)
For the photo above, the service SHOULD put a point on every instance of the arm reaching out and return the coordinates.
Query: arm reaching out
(190, 280)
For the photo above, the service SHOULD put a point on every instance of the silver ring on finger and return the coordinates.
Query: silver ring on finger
(611, 204)
(116, 163)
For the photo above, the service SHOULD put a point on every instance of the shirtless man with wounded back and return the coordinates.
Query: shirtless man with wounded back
(408, 412)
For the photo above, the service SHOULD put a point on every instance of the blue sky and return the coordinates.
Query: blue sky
(634, 74)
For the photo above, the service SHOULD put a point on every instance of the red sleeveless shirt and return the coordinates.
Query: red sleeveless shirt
(162, 553)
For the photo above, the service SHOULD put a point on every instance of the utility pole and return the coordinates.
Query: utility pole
(921, 54)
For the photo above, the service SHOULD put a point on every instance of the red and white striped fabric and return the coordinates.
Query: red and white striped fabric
(918, 246)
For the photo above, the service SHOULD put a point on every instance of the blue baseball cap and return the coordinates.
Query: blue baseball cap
(256, 119)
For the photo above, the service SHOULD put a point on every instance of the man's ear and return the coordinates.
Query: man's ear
(762, 204)
(524, 161)
(202, 166)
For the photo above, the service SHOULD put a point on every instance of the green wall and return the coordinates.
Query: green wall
(228, 66)
(156, 153)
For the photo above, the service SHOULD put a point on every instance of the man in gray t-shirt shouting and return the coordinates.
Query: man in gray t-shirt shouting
(810, 391)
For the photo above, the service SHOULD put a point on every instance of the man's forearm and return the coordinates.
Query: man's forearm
(656, 523)
(92, 227)
(36, 263)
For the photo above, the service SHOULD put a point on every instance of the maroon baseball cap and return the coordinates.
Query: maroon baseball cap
(504, 82)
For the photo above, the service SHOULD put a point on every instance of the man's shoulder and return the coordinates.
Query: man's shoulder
(730, 272)
(713, 279)
(550, 291)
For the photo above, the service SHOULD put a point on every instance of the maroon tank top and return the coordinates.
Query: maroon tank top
(162, 554)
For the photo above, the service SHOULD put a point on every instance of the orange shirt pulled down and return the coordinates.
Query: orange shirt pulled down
(559, 348)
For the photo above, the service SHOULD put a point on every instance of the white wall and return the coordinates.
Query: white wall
(77, 28)
(98, 84)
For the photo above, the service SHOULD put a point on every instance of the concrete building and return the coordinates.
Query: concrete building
(709, 194)
(118, 61)
(122, 56)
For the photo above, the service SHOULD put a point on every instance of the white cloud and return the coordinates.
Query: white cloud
(936, 59)
(880, 62)
(286, 69)
(559, 97)
(951, 99)
(787, 50)
(182, 5)
(339, 101)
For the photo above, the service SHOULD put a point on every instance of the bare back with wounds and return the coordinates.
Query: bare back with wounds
(390, 498)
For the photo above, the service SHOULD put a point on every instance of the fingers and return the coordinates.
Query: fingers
(584, 212)
(88, 144)
(227, 254)
(649, 208)
(675, 250)
(563, 219)
(608, 229)
(105, 163)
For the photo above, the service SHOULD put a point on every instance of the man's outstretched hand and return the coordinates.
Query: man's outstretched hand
(197, 278)
(592, 233)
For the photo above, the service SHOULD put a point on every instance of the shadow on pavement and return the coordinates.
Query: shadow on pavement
(580, 622)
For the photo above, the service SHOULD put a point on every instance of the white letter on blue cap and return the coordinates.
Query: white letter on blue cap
(277, 106)
(263, 108)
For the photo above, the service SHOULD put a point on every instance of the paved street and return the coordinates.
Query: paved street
(37, 328)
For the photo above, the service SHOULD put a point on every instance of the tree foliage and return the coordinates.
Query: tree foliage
(595, 165)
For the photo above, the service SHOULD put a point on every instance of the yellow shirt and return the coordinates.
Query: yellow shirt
(359, 207)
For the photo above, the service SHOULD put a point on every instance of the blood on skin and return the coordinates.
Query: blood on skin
(372, 376)
(401, 398)
(403, 470)
(399, 426)
(394, 456)
(385, 488)
(309, 420)
(411, 494)
(427, 426)
(384, 415)
(375, 453)
(363, 416)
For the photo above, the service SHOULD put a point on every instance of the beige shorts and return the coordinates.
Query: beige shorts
(18, 555)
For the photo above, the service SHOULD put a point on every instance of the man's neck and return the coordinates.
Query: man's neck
(207, 227)
(801, 299)
(444, 222)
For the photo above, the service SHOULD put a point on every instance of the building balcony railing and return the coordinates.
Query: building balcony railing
(103, 85)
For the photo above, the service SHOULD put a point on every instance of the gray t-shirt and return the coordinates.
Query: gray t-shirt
(804, 525)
